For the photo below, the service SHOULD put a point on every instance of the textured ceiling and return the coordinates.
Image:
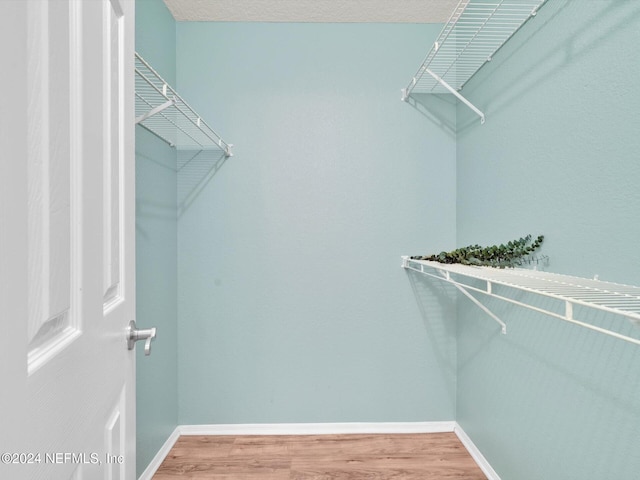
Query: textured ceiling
(392, 11)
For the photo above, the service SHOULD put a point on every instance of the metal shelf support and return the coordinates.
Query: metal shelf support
(444, 275)
(155, 110)
(456, 93)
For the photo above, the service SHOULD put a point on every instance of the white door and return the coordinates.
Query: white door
(67, 267)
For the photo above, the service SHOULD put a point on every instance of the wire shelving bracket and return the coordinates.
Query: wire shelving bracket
(476, 30)
(165, 114)
(623, 300)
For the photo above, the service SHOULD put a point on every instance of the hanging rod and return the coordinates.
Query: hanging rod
(164, 113)
(475, 31)
(623, 300)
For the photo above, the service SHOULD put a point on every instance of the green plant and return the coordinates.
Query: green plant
(514, 253)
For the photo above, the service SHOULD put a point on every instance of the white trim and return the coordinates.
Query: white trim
(153, 466)
(317, 428)
(475, 453)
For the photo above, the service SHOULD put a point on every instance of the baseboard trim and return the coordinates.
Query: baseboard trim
(317, 428)
(475, 453)
(154, 465)
(320, 429)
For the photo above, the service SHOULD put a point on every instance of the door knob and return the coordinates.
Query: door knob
(134, 334)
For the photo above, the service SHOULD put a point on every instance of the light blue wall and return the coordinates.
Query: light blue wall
(292, 303)
(156, 37)
(156, 244)
(558, 155)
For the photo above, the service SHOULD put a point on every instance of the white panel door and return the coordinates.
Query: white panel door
(67, 267)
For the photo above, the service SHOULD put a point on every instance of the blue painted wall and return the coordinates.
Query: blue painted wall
(292, 303)
(156, 248)
(558, 155)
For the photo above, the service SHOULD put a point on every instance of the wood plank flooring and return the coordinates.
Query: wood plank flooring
(313, 457)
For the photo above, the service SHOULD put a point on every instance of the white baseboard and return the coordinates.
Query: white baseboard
(153, 466)
(482, 462)
(317, 428)
(320, 429)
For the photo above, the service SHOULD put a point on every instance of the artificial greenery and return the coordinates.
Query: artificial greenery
(514, 253)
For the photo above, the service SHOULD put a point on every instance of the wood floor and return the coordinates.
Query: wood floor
(313, 457)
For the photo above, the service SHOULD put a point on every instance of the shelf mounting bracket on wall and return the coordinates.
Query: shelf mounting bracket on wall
(450, 89)
(474, 32)
(164, 113)
(155, 110)
(445, 275)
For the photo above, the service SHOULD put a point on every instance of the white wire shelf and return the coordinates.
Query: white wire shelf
(623, 300)
(164, 113)
(473, 34)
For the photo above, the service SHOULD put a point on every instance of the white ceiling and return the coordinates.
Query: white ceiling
(358, 11)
